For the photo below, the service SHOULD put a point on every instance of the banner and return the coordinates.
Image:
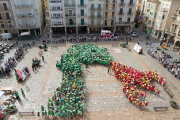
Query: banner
(137, 48)
(22, 74)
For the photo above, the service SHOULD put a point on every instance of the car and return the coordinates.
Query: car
(134, 34)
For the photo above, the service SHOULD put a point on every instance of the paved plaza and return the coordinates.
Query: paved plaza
(105, 99)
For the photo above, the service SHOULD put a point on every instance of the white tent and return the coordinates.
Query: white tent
(24, 33)
(1, 94)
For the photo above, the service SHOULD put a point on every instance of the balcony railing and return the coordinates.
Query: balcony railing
(69, 5)
(70, 15)
(128, 22)
(7, 26)
(58, 24)
(71, 23)
(106, 8)
(92, 8)
(92, 16)
(99, 8)
(58, 9)
(163, 9)
(27, 25)
(82, 5)
(1, 9)
(80, 15)
(107, 1)
(130, 13)
(114, 1)
(55, 17)
(120, 22)
(174, 15)
(82, 24)
(113, 8)
(23, 5)
(55, 1)
(99, 16)
(25, 15)
(121, 13)
(121, 4)
(106, 17)
(131, 4)
(5, 18)
(92, 24)
(113, 17)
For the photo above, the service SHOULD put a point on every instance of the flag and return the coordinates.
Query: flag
(140, 20)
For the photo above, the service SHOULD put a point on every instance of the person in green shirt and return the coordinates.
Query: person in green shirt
(22, 91)
(17, 96)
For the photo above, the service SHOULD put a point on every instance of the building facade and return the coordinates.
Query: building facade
(157, 16)
(125, 15)
(7, 20)
(28, 16)
(173, 33)
(95, 15)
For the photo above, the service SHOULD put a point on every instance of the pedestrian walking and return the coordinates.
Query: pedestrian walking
(138, 42)
(22, 91)
(150, 44)
(17, 96)
(108, 69)
(126, 38)
(169, 45)
(33, 66)
(43, 58)
(16, 42)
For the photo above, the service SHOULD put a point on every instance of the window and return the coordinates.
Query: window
(82, 12)
(122, 1)
(99, 21)
(70, 12)
(121, 11)
(99, 5)
(161, 25)
(92, 5)
(153, 23)
(128, 20)
(120, 20)
(149, 22)
(112, 22)
(152, 7)
(159, 16)
(163, 17)
(151, 14)
(167, 6)
(82, 2)
(92, 13)
(155, 15)
(179, 33)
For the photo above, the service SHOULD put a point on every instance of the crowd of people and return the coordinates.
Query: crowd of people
(12, 61)
(172, 67)
(132, 79)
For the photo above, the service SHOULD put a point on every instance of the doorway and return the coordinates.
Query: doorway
(5, 6)
(71, 21)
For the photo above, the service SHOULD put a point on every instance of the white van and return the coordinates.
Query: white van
(6, 36)
(106, 33)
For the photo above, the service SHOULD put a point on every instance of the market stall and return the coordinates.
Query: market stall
(22, 74)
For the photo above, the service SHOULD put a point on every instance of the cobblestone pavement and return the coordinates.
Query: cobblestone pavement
(104, 99)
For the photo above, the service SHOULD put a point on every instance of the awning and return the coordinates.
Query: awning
(24, 33)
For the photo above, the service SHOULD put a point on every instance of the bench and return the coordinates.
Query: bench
(163, 46)
(32, 112)
(160, 108)
(169, 92)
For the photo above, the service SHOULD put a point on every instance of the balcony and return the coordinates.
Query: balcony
(92, 8)
(82, 24)
(128, 22)
(113, 17)
(73, 23)
(99, 8)
(69, 5)
(70, 15)
(92, 16)
(82, 5)
(130, 13)
(27, 25)
(121, 13)
(7, 26)
(23, 5)
(55, 1)
(56, 17)
(174, 15)
(163, 9)
(114, 1)
(107, 1)
(121, 4)
(82, 15)
(131, 4)
(56, 9)
(23, 16)
(106, 17)
(171, 33)
(99, 16)
(106, 8)
(5, 9)
(5, 18)
(120, 22)
(113, 8)
(57, 24)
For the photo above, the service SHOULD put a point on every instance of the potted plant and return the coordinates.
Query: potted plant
(162, 52)
(174, 104)
(168, 55)
(176, 61)
(158, 48)
(12, 108)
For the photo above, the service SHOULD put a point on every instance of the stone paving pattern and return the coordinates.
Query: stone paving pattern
(105, 99)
